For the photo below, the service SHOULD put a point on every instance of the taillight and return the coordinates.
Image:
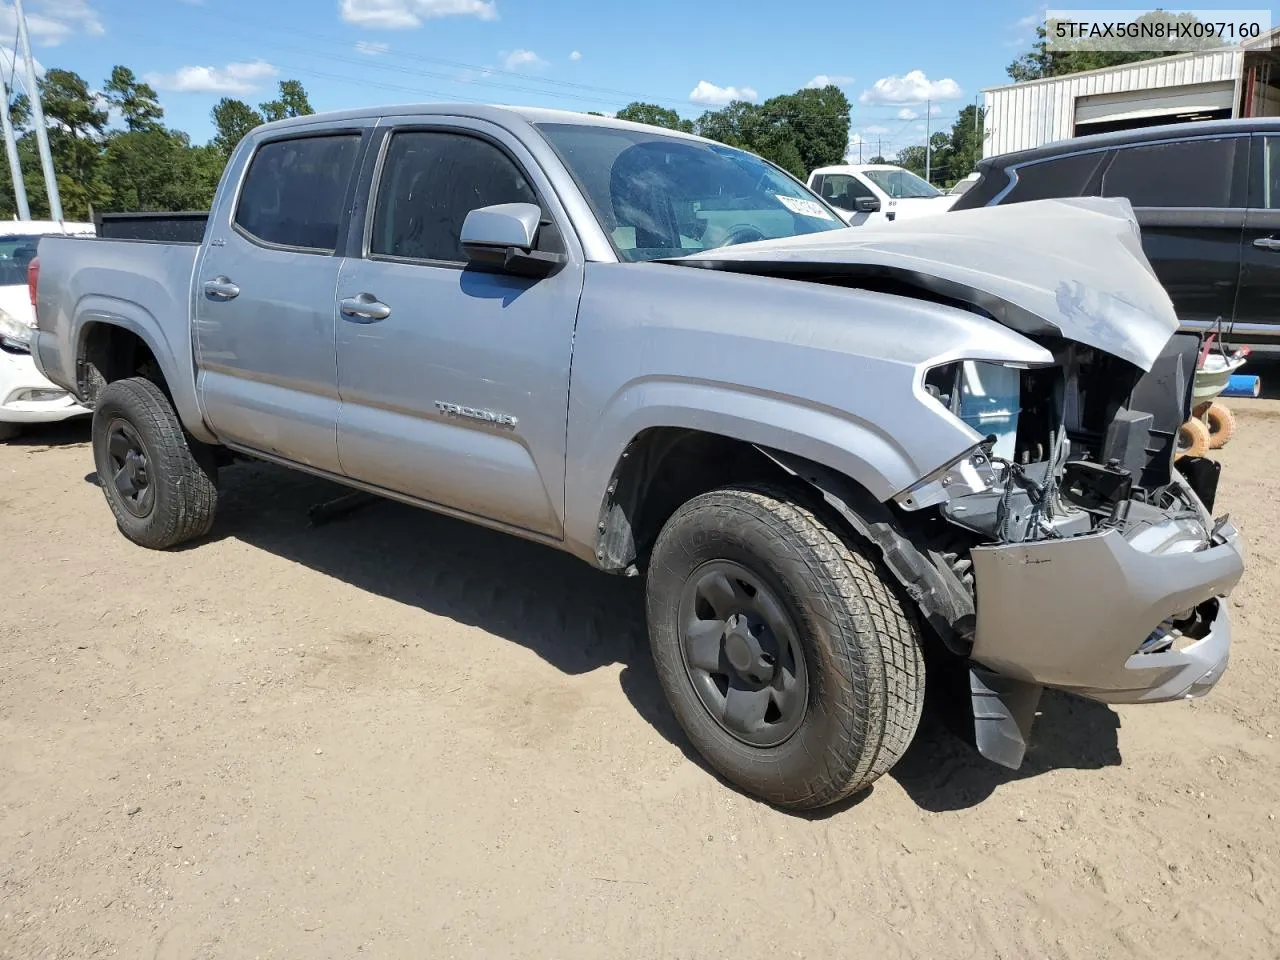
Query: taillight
(33, 278)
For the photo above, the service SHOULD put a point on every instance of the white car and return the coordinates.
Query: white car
(878, 192)
(25, 395)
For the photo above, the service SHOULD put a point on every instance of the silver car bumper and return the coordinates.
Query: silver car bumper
(1072, 613)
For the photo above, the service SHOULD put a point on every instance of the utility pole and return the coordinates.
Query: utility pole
(11, 150)
(928, 146)
(859, 151)
(879, 148)
(37, 116)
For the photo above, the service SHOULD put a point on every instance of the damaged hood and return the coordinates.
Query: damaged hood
(1071, 268)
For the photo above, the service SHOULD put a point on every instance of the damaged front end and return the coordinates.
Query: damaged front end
(1091, 556)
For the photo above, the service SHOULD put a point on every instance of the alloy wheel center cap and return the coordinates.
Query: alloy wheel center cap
(743, 650)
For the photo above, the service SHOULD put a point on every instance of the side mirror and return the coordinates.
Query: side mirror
(867, 205)
(501, 238)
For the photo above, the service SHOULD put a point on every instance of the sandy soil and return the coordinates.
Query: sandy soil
(400, 736)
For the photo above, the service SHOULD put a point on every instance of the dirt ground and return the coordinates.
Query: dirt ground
(401, 736)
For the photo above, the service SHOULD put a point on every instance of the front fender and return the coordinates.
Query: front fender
(829, 374)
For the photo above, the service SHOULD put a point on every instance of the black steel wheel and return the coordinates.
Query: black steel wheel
(743, 655)
(130, 472)
(789, 658)
(160, 484)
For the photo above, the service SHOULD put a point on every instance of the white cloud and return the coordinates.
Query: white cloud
(711, 95)
(826, 80)
(7, 64)
(913, 87)
(52, 22)
(575, 56)
(409, 14)
(371, 49)
(1030, 21)
(521, 60)
(233, 78)
(906, 113)
(875, 131)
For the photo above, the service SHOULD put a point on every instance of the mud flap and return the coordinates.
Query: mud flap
(1003, 712)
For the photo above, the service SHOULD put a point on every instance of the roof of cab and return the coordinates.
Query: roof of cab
(503, 115)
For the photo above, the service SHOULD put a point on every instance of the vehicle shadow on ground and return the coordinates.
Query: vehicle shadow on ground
(578, 619)
(47, 436)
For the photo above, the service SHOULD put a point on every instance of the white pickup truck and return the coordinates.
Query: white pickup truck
(878, 193)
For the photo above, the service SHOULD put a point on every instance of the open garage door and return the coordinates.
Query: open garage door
(1104, 112)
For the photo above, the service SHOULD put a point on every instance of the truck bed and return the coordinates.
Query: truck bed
(140, 285)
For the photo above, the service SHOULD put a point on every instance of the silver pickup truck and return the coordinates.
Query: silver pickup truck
(828, 450)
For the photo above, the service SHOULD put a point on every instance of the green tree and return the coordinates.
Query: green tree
(292, 102)
(815, 121)
(232, 120)
(1041, 62)
(159, 169)
(912, 158)
(655, 116)
(135, 100)
(68, 102)
(877, 159)
(965, 145)
(798, 131)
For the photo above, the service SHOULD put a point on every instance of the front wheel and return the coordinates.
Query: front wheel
(160, 494)
(788, 658)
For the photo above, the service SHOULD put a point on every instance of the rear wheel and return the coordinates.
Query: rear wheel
(789, 660)
(160, 493)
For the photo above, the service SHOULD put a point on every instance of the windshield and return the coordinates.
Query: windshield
(15, 254)
(902, 184)
(660, 196)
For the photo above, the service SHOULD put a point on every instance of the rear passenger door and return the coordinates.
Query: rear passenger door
(264, 297)
(1258, 307)
(1189, 198)
(456, 390)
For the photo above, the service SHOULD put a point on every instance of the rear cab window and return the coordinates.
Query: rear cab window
(295, 190)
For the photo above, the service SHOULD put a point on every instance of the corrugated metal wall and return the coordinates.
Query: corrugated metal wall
(1027, 115)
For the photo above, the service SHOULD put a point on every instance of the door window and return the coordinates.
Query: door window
(1186, 173)
(1271, 174)
(430, 181)
(294, 192)
(841, 190)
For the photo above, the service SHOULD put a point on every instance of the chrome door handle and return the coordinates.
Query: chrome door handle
(1267, 243)
(364, 308)
(221, 288)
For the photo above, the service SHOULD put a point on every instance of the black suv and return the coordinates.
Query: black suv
(1207, 196)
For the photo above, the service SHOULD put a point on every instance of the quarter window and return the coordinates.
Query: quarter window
(294, 191)
(1187, 173)
(1050, 179)
(430, 181)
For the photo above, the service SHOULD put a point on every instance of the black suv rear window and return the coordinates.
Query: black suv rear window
(1061, 177)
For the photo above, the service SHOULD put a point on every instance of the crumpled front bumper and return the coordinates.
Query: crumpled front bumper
(1072, 613)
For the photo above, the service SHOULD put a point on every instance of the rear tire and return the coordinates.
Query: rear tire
(159, 492)
(1222, 425)
(802, 603)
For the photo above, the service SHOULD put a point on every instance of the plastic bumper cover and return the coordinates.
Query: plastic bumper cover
(26, 396)
(1071, 613)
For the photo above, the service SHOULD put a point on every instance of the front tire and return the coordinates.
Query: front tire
(788, 659)
(159, 492)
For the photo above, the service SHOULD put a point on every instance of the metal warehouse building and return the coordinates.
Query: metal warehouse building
(1239, 81)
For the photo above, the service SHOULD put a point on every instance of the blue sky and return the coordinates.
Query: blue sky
(574, 54)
